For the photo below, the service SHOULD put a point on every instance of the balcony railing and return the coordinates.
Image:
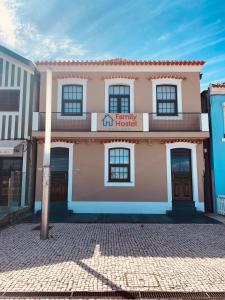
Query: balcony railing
(133, 122)
(180, 122)
(66, 123)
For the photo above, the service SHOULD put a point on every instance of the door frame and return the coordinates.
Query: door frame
(188, 152)
(70, 169)
(193, 148)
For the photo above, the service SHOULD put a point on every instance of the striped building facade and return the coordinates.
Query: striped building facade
(18, 91)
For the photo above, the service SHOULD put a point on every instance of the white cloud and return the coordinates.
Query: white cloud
(8, 23)
(164, 37)
(26, 39)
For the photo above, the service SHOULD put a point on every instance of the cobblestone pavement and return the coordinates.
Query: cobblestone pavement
(101, 257)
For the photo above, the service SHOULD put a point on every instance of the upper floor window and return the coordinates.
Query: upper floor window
(119, 99)
(119, 95)
(166, 97)
(72, 100)
(119, 165)
(9, 100)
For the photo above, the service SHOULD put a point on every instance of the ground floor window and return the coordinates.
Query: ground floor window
(119, 164)
(10, 181)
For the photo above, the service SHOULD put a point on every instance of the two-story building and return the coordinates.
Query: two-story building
(18, 86)
(214, 98)
(127, 136)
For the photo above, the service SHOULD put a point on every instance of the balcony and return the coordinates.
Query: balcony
(62, 123)
(180, 122)
(133, 122)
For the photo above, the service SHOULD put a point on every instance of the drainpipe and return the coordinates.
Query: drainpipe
(44, 234)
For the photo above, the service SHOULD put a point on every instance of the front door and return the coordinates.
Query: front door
(59, 175)
(10, 181)
(181, 174)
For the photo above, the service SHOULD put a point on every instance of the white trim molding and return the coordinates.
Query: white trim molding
(60, 83)
(166, 81)
(70, 168)
(146, 122)
(93, 121)
(192, 147)
(115, 81)
(130, 146)
(223, 105)
(118, 207)
(204, 122)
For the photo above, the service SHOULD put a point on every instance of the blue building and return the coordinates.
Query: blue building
(215, 97)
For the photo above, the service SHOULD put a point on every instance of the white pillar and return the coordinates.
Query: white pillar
(46, 158)
(204, 122)
(145, 122)
(93, 121)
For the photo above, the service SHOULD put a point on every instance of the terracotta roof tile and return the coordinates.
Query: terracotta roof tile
(166, 76)
(121, 61)
(64, 76)
(218, 85)
(120, 76)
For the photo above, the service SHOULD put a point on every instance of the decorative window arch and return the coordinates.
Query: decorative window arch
(119, 168)
(119, 82)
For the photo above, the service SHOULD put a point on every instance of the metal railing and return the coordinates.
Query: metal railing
(221, 205)
(179, 122)
(66, 123)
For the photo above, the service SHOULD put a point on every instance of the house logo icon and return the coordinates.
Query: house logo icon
(107, 120)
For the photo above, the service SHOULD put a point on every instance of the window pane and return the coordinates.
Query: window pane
(113, 105)
(9, 100)
(73, 92)
(72, 107)
(111, 90)
(124, 105)
(127, 90)
(119, 156)
(116, 90)
(166, 92)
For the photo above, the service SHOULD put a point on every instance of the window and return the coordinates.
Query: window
(72, 100)
(119, 169)
(119, 165)
(119, 99)
(9, 100)
(166, 97)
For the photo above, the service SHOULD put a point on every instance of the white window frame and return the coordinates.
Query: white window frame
(71, 81)
(119, 81)
(129, 146)
(165, 81)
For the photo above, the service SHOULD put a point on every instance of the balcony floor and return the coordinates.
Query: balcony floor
(118, 134)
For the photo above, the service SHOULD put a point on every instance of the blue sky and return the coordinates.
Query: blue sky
(133, 29)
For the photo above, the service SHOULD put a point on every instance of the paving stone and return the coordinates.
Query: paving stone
(104, 257)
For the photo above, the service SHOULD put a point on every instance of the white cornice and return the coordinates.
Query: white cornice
(217, 90)
(107, 68)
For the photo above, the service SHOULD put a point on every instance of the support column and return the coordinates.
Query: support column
(46, 159)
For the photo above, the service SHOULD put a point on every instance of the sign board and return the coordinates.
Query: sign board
(119, 122)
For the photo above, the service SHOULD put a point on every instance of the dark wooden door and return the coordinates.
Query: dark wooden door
(10, 181)
(4, 188)
(59, 175)
(59, 186)
(181, 174)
